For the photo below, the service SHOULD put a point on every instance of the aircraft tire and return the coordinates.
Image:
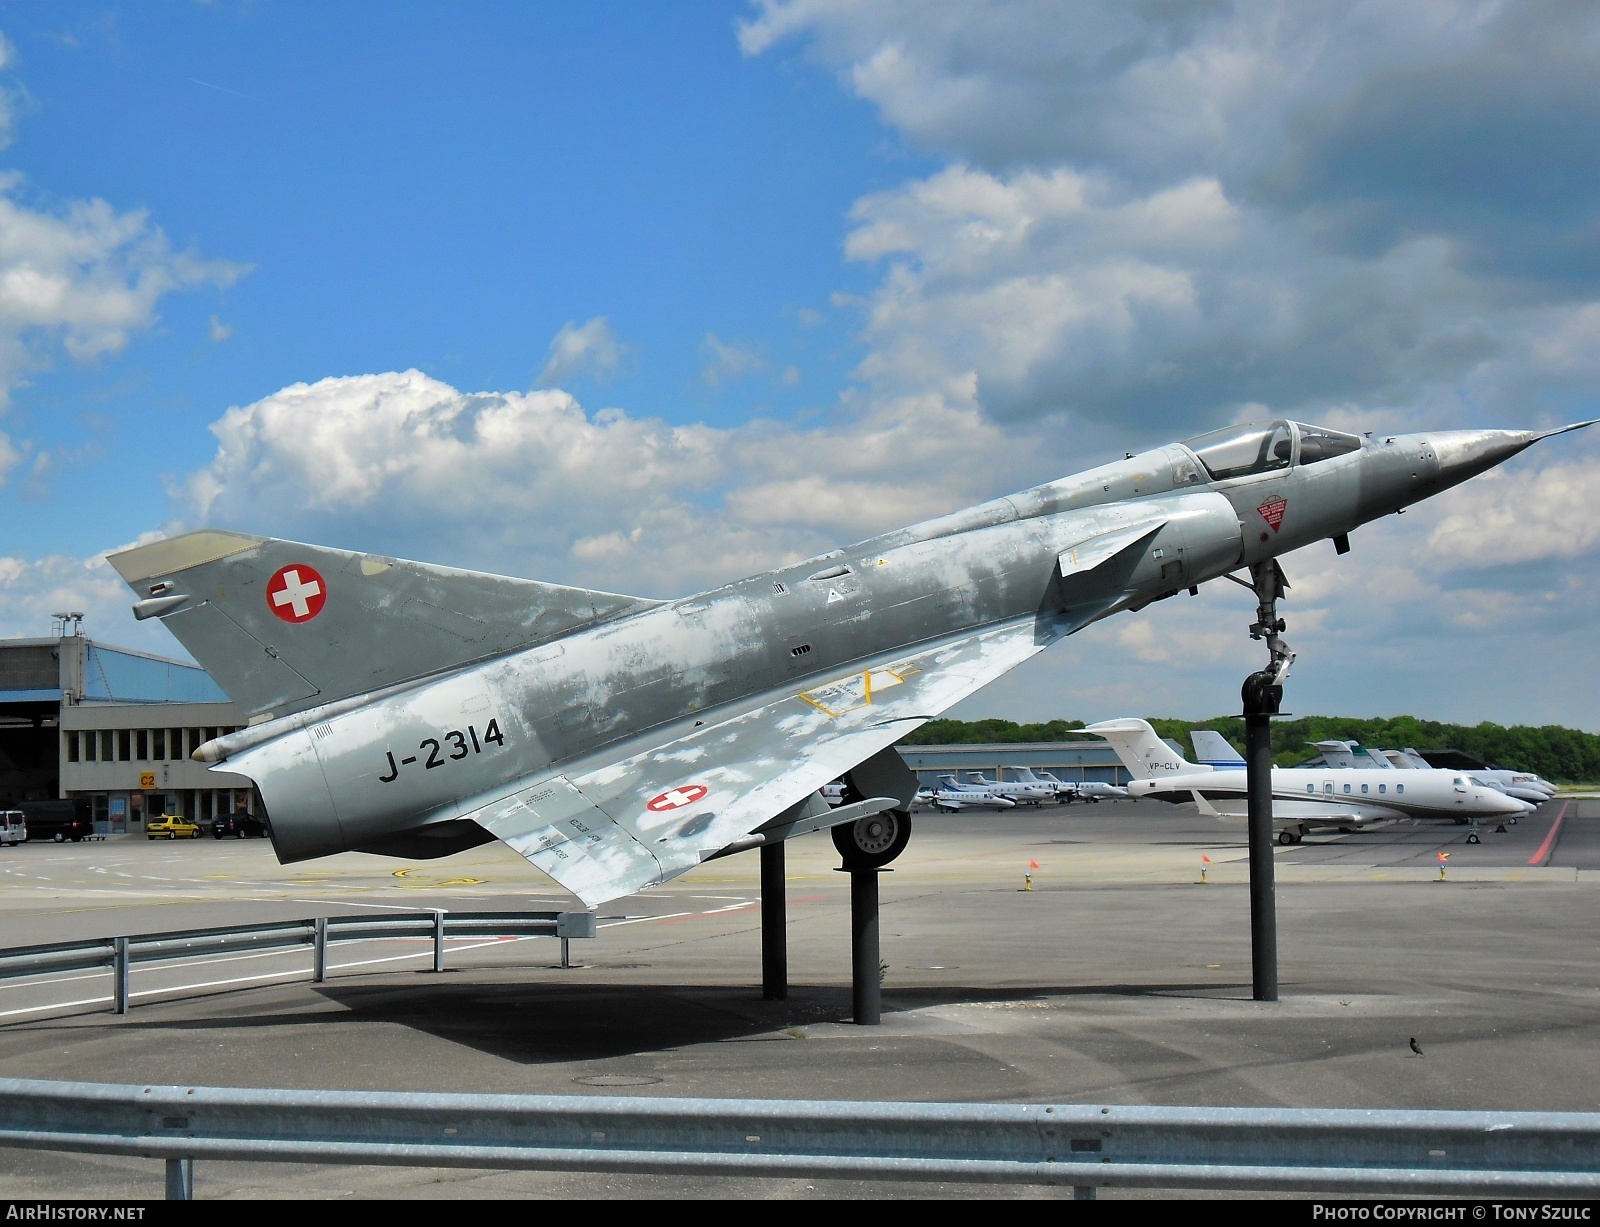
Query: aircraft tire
(1472, 838)
(874, 841)
(1286, 837)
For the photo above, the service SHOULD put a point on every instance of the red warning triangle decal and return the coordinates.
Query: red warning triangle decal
(1272, 511)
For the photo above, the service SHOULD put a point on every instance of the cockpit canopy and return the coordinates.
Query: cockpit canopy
(1260, 447)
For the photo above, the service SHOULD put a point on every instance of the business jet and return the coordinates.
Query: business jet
(1303, 799)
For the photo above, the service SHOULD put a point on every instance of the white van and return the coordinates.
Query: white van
(13, 830)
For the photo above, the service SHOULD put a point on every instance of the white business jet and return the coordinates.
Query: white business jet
(1303, 799)
(953, 795)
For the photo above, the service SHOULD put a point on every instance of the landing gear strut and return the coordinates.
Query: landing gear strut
(866, 846)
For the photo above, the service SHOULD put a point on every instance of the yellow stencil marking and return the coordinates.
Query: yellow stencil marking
(825, 711)
(853, 692)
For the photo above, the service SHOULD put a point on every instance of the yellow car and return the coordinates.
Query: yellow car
(172, 826)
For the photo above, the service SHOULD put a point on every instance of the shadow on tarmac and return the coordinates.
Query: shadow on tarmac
(536, 1023)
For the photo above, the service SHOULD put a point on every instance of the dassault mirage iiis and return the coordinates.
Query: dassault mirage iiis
(616, 742)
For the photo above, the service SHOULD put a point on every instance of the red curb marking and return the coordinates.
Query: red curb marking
(1550, 839)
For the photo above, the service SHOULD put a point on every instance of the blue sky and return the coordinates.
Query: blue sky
(647, 297)
(440, 187)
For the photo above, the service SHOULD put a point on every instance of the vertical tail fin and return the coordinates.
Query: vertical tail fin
(1144, 754)
(1212, 749)
(284, 626)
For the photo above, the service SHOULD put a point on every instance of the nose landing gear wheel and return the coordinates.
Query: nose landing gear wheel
(1472, 838)
(872, 842)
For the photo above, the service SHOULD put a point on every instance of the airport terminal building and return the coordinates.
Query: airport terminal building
(114, 728)
(1071, 762)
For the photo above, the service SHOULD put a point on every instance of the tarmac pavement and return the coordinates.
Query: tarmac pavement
(1118, 978)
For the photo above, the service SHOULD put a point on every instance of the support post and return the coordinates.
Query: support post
(120, 971)
(1260, 703)
(438, 941)
(566, 953)
(1262, 695)
(865, 990)
(774, 922)
(319, 947)
(180, 1179)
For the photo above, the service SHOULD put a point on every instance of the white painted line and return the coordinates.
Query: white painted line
(60, 1005)
(616, 924)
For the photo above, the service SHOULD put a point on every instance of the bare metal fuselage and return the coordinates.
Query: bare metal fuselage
(356, 772)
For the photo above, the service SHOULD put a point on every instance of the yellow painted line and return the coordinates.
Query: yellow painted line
(867, 675)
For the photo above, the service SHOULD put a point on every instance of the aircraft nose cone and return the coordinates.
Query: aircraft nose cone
(1466, 453)
(1503, 804)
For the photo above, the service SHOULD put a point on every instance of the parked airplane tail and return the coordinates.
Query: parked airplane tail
(1214, 750)
(1143, 753)
(283, 626)
(1352, 754)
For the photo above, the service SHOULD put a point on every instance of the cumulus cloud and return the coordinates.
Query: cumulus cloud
(1523, 516)
(1149, 218)
(1156, 213)
(534, 484)
(83, 280)
(589, 347)
(34, 589)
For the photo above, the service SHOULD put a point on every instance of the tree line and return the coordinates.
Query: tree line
(1561, 755)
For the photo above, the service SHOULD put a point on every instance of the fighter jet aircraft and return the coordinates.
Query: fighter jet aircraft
(1303, 799)
(616, 742)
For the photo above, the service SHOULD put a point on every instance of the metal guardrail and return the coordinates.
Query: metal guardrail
(1088, 1147)
(121, 954)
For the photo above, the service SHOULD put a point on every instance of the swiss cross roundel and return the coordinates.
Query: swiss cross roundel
(296, 593)
(676, 798)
